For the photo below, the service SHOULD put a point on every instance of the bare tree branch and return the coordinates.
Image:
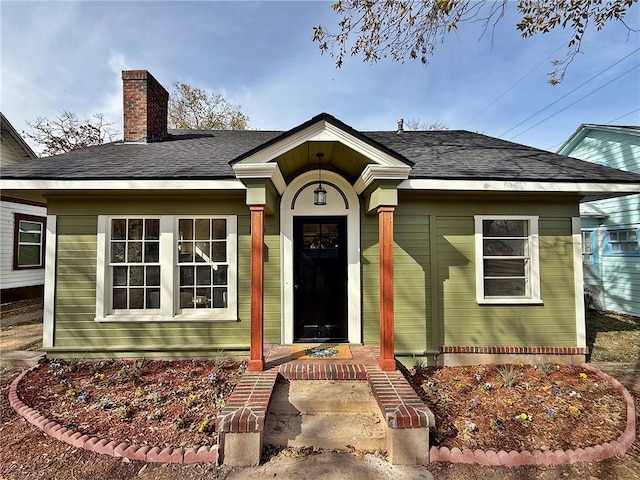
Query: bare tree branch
(66, 132)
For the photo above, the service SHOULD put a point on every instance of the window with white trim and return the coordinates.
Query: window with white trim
(622, 242)
(507, 265)
(167, 268)
(28, 240)
(135, 263)
(203, 263)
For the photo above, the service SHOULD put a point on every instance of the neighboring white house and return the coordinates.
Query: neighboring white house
(22, 229)
(611, 227)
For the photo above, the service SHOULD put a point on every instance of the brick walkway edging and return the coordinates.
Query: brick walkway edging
(436, 454)
(557, 457)
(113, 448)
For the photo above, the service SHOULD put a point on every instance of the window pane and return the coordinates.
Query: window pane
(220, 275)
(186, 229)
(613, 236)
(505, 228)
(136, 276)
(117, 252)
(134, 232)
(633, 236)
(119, 299)
(120, 275)
(310, 229)
(202, 252)
(505, 247)
(202, 229)
(185, 252)
(152, 229)
(153, 298)
(219, 229)
(186, 298)
(28, 255)
(152, 252)
(118, 229)
(153, 277)
(186, 276)
(203, 275)
(505, 288)
(136, 298)
(219, 298)
(134, 252)
(219, 253)
(504, 268)
(30, 232)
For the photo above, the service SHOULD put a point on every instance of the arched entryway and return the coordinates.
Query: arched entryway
(320, 286)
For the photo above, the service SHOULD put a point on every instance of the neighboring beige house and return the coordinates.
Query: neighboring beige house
(22, 229)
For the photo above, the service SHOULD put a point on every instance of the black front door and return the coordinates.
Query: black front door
(320, 279)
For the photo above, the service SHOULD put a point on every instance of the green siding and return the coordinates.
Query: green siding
(442, 229)
(75, 326)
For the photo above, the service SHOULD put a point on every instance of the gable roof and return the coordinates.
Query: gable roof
(583, 130)
(18, 149)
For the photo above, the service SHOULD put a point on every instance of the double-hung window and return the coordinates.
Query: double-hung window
(507, 265)
(166, 268)
(28, 241)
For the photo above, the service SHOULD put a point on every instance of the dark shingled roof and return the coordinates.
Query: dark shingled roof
(448, 154)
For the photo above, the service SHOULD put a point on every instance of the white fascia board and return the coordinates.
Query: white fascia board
(379, 172)
(322, 131)
(262, 170)
(169, 184)
(515, 186)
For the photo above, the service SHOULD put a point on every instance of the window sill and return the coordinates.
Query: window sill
(509, 301)
(158, 319)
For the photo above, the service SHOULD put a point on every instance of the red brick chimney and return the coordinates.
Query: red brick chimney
(145, 107)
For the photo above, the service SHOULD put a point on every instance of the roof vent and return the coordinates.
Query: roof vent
(400, 125)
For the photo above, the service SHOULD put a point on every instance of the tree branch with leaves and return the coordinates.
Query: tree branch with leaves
(197, 109)
(402, 29)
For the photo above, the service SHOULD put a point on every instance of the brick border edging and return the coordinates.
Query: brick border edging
(557, 457)
(103, 446)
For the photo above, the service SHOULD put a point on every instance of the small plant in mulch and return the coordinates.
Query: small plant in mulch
(520, 407)
(156, 403)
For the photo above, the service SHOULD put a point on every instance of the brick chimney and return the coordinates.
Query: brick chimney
(145, 107)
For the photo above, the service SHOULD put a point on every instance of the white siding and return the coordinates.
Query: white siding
(10, 278)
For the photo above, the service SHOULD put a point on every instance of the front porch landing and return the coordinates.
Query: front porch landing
(407, 418)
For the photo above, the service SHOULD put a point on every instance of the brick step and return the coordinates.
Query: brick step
(326, 430)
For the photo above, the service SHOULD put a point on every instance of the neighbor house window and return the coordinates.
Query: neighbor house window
(621, 242)
(28, 239)
(507, 267)
(167, 268)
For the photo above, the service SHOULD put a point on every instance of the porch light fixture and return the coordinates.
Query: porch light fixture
(319, 194)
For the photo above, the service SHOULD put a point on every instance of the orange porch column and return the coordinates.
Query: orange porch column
(256, 357)
(387, 360)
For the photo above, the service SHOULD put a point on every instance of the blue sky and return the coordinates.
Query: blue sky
(68, 56)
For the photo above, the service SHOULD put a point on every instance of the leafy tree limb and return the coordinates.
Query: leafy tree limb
(197, 109)
(403, 29)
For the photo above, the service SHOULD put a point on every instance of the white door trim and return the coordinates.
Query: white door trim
(297, 200)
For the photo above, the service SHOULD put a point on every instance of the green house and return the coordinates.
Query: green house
(449, 245)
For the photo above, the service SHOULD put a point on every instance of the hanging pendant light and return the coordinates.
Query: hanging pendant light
(319, 194)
